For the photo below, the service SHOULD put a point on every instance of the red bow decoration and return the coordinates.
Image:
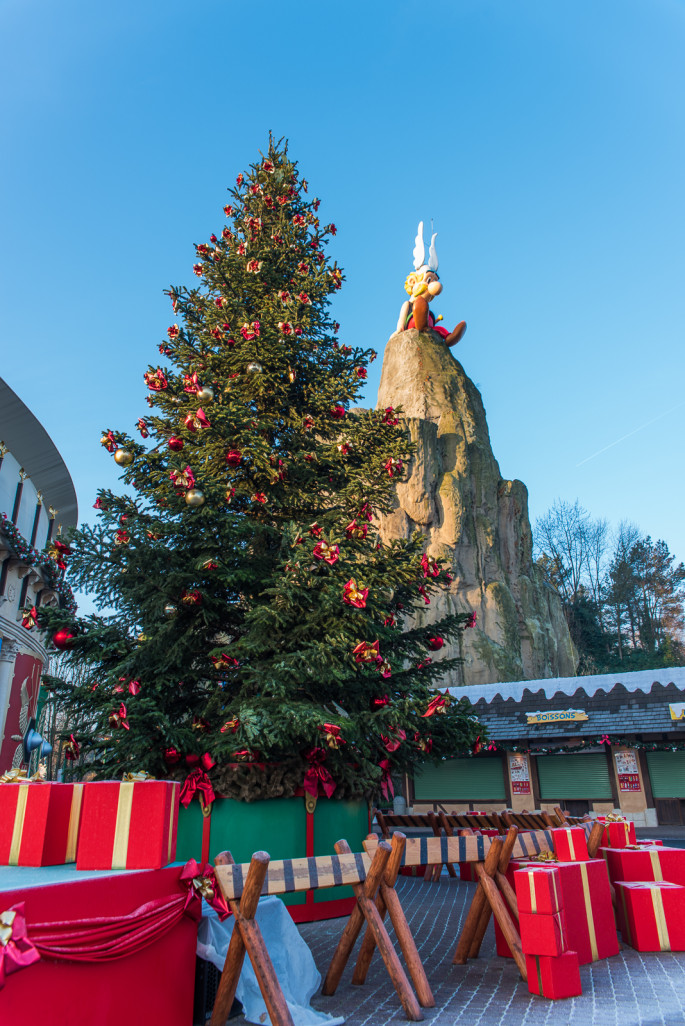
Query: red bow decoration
(28, 620)
(394, 742)
(201, 883)
(604, 740)
(205, 762)
(317, 774)
(16, 950)
(71, 749)
(387, 786)
(439, 704)
(331, 732)
(118, 718)
(197, 781)
(471, 622)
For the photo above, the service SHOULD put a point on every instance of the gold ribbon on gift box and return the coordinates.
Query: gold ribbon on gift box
(588, 910)
(659, 916)
(533, 895)
(74, 820)
(134, 778)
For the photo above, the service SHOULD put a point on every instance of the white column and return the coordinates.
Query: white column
(8, 654)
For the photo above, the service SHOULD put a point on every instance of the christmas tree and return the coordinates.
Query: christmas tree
(261, 631)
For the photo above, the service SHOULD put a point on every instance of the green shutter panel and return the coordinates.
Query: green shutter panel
(573, 776)
(667, 774)
(461, 780)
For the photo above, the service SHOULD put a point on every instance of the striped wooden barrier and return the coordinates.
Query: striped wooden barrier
(242, 886)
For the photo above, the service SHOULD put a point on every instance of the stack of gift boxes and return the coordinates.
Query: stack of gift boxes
(129, 824)
(649, 880)
(566, 916)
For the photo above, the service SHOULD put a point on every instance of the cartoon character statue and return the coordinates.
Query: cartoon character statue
(423, 285)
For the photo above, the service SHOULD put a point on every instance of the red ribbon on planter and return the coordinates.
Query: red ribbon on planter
(16, 950)
(317, 774)
(387, 786)
(201, 883)
(197, 781)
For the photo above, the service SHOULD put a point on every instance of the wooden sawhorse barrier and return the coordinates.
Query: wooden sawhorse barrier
(242, 885)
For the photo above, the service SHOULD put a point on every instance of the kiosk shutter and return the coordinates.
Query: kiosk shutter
(573, 776)
(667, 774)
(461, 780)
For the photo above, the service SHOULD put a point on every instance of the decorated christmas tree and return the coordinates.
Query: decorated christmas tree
(262, 632)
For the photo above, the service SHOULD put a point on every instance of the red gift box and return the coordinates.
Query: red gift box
(543, 934)
(649, 841)
(128, 825)
(588, 909)
(39, 822)
(646, 863)
(617, 833)
(553, 976)
(652, 914)
(538, 889)
(570, 844)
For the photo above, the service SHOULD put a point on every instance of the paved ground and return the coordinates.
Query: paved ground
(628, 989)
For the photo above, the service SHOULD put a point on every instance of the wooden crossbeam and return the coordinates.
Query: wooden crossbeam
(421, 851)
(290, 875)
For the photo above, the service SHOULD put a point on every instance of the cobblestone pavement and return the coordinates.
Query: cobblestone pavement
(627, 989)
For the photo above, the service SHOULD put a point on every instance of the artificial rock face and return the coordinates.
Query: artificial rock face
(456, 497)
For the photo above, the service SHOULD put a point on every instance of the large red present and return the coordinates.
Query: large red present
(570, 844)
(39, 822)
(543, 934)
(617, 832)
(646, 863)
(101, 988)
(588, 909)
(554, 976)
(652, 914)
(538, 889)
(128, 824)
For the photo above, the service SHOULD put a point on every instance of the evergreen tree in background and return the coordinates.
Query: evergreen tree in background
(260, 624)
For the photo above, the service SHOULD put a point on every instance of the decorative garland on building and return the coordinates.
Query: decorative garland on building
(31, 556)
(594, 742)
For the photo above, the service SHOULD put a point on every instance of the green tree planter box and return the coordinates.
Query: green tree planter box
(284, 828)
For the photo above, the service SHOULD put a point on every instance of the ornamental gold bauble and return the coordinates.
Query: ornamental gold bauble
(194, 497)
(123, 457)
(170, 610)
(205, 394)
(254, 368)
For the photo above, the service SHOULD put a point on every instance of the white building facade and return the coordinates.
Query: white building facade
(37, 500)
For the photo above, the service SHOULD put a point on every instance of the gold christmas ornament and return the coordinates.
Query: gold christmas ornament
(205, 394)
(291, 375)
(123, 457)
(254, 368)
(194, 497)
(170, 610)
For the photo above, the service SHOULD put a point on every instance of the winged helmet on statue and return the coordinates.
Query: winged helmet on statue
(422, 285)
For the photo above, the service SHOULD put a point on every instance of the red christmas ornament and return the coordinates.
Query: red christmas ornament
(337, 412)
(366, 652)
(477, 745)
(175, 443)
(471, 622)
(171, 756)
(436, 643)
(234, 457)
(63, 639)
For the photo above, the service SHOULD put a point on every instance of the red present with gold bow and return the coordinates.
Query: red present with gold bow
(128, 824)
(646, 863)
(652, 914)
(538, 889)
(543, 934)
(554, 976)
(570, 844)
(39, 821)
(618, 832)
(588, 909)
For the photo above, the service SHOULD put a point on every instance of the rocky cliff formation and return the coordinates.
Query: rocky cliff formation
(456, 497)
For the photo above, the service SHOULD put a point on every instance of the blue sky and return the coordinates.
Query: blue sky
(546, 140)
